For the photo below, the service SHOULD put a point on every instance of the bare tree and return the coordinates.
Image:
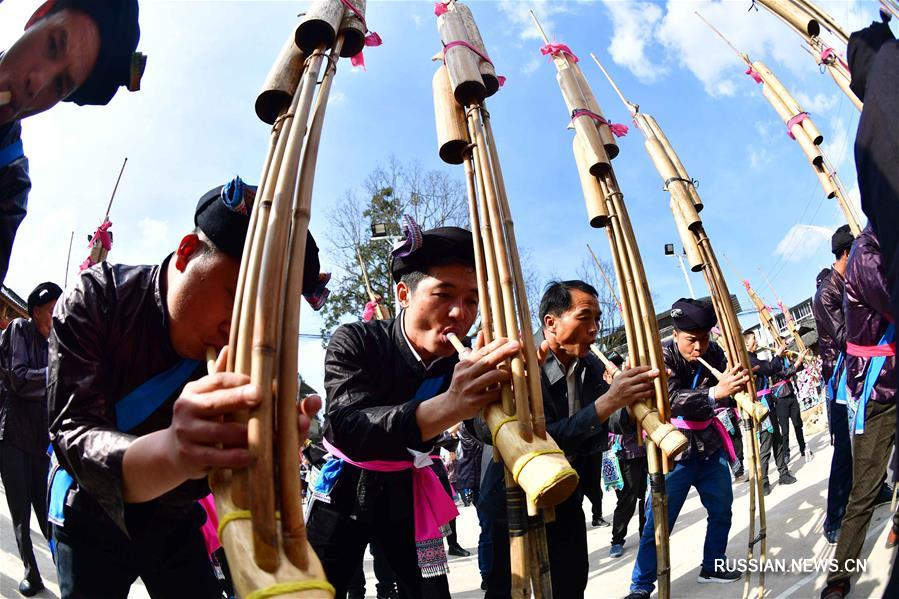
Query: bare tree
(611, 325)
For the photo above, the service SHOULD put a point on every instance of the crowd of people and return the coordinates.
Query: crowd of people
(111, 376)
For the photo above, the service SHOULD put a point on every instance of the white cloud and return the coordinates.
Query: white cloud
(336, 98)
(633, 25)
(518, 13)
(819, 104)
(758, 157)
(418, 20)
(532, 65)
(693, 45)
(802, 242)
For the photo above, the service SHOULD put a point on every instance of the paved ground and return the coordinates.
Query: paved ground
(795, 516)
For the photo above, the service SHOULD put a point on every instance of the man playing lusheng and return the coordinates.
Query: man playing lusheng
(577, 404)
(695, 397)
(23, 424)
(871, 380)
(78, 51)
(135, 421)
(393, 387)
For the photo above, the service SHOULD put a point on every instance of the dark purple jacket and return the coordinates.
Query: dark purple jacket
(691, 402)
(829, 318)
(14, 187)
(23, 410)
(868, 314)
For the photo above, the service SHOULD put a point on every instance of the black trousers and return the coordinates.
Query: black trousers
(95, 559)
(385, 576)
(566, 539)
(25, 482)
(339, 541)
(737, 440)
(772, 441)
(633, 472)
(787, 411)
(589, 469)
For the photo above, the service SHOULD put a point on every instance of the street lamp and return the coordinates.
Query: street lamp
(670, 251)
(379, 231)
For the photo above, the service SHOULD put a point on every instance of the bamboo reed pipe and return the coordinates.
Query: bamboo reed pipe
(613, 370)
(825, 20)
(463, 64)
(452, 132)
(281, 82)
(798, 18)
(353, 30)
(597, 214)
(318, 29)
(480, 261)
(535, 391)
(473, 35)
(269, 307)
(694, 255)
(293, 528)
(605, 132)
(506, 279)
(686, 180)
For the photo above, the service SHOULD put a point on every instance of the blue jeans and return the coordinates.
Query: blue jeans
(711, 477)
(485, 544)
(840, 483)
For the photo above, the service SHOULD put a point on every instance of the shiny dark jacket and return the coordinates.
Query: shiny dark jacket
(581, 436)
(468, 468)
(692, 402)
(868, 314)
(110, 335)
(827, 308)
(23, 409)
(372, 379)
(773, 371)
(14, 187)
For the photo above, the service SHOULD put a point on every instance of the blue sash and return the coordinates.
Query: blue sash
(131, 410)
(872, 373)
(11, 153)
(696, 378)
(836, 384)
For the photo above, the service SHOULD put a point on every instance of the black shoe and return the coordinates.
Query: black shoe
(600, 522)
(787, 479)
(483, 583)
(638, 595)
(721, 577)
(31, 588)
(832, 536)
(836, 590)
(766, 488)
(458, 551)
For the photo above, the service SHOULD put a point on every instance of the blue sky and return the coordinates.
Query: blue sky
(192, 126)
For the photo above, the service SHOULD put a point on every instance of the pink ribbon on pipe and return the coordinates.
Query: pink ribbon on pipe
(553, 49)
(464, 44)
(372, 39)
(754, 74)
(795, 121)
(617, 128)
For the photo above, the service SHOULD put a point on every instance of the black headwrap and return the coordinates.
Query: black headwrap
(693, 315)
(43, 294)
(223, 215)
(117, 62)
(424, 249)
(841, 240)
(863, 47)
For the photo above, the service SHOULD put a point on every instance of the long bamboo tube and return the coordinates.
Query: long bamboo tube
(735, 349)
(805, 132)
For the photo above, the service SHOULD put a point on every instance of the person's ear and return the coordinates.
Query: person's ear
(190, 245)
(549, 323)
(403, 294)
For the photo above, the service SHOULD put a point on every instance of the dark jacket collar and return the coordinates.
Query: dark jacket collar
(552, 368)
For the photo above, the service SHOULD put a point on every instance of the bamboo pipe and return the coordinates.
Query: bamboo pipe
(452, 133)
(535, 391)
(685, 178)
(825, 19)
(381, 312)
(487, 70)
(293, 528)
(480, 261)
(463, 64)
(281, 82)
(796, 16)
(477, 133)
(318, 29)
(747, 404)
(353, 30)
(613, 370)
(597, 214)
(269, 307)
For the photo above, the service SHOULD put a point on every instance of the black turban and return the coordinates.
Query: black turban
(117, 62)
(436, 247)
(693, 315)
(43, 294)
(841, 240)
(223, 215)
(863, 47)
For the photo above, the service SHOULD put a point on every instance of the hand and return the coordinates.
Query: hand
(780, 351)
(542, 352)
(733, 380)
(477, 377)
(632, 385)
